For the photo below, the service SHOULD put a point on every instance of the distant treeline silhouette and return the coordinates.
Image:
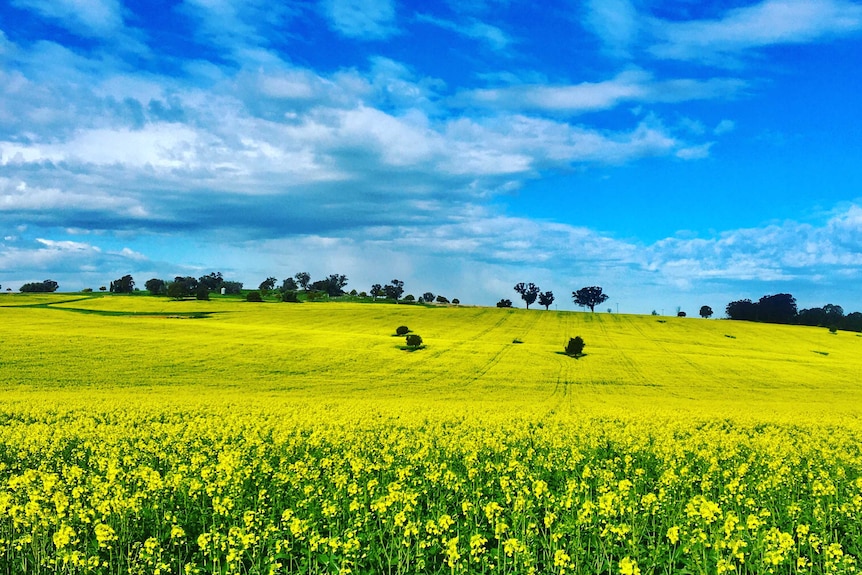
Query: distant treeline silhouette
(781, 308)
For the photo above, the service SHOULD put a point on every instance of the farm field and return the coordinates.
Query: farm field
(144, 435)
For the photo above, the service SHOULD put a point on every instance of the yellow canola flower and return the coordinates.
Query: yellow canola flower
(628, 566)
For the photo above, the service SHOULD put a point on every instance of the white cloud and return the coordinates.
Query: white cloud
(492, 36)
(628, 86)
(362, 19)
(97, 18)
(616, 22)
(724, 127)
(767, 23)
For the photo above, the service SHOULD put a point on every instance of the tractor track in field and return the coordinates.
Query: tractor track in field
(664, 348)
(441, 378)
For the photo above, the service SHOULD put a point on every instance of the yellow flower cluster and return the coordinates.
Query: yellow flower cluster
(212, 486)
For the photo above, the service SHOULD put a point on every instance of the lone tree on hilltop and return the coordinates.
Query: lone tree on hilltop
(705, 312)
(589, 297)
(546, 299)
(529, 292)
(504, 303)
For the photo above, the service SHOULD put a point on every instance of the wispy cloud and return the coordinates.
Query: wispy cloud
(361, 19)
(492, 36)
(616, 22)
(92, 18)
(767, 23)
(628, 86)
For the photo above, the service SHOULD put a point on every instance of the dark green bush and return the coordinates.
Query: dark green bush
(402, 330)
(575, 347)
(414, 340)
(254, 296)
(289, 296)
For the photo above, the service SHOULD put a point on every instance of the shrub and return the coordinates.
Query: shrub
(504, 303)
(456, 301)
(87, 290)
(410, 297)
(254, 296)
(575, 348)
(414, 340)
(202, 293)
(442, 299)
(402, 330)
(289, 296)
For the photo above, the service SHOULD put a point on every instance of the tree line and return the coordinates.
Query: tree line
(781, 308)
(585, 297)
(288, 290)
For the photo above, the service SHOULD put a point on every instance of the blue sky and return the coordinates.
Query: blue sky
(678, 154)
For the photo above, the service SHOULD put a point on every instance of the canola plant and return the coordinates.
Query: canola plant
(425, 462)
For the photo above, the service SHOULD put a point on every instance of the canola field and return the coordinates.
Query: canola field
(143, 435)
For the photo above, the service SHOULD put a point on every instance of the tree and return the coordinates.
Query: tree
(778, 308)
(705, 312)
(546, 299)
(232, 288)
(394, 289)
(414, 340)
(175, 290)
(333, 285)
(289, 284)
(212, 281)
(834, 314)
(504, 303)
(442, 299)
(182, 287)
(156, 286)
(303, 279)
(575, 347)
(427, 297)
(267, 285)
(456, 301)
(40, 287)
(680, 314)
(815, 316)
(589, 297)
(852, 322)
(123, 285)
(743, 309)
(376, 291)
(529, 292)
